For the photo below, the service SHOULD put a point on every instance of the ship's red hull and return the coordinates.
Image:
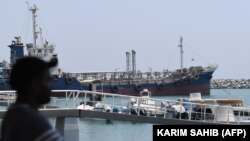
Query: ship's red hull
(177, 90)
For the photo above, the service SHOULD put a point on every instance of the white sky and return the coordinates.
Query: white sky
(93, 35)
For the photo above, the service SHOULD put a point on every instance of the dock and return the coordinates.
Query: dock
(67, 112)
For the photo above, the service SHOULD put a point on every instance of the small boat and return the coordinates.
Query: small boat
(96, 104)
(196, 98)
(83, 106)
(144, 104)
(225, 109)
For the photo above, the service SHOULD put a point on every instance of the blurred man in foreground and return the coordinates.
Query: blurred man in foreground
(31, 79)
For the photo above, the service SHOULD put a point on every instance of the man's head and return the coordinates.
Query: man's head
(30, 77)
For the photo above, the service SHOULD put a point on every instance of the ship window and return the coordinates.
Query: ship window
(51, 50)
(39, 51)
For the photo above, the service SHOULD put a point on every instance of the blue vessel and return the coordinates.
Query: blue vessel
(182, 81)
(45, 51)
(192, 80)
(61, 81)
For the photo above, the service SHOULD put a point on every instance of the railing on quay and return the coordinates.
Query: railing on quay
(150, 107)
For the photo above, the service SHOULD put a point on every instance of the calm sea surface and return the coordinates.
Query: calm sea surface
(100, 130)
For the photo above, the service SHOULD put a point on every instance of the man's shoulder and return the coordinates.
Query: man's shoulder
(24, 113)
(21, 110)
(24, 122)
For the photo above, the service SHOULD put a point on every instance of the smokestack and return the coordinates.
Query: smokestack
(133, 61)
(128, 61)
(16, 50)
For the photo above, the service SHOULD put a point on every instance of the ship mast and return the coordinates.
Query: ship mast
(33, 9)
(181, 52)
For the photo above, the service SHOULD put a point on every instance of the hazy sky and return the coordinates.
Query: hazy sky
(93, 35)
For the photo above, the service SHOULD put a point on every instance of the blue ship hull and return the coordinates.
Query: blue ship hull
(181, 87)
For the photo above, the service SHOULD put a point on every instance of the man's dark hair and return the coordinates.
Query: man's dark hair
(27, 68)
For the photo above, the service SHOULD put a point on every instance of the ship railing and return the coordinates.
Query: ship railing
(153, 107)
(211, 67)
(7, 97)
(159, 107)
(73, 98)
(122, 75)
(127, 75)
